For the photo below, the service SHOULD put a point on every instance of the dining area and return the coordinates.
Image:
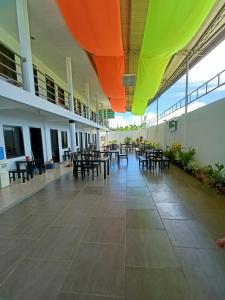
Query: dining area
(91, 163)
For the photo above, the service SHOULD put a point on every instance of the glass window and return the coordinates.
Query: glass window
(13, 137)
(64, 139)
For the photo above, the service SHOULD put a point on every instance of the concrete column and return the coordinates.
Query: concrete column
(98, 139)
(73, 135)
(87, 94)
(157, 120)
(25, 46)
(97, 112)
(69, 78)
(185, 143)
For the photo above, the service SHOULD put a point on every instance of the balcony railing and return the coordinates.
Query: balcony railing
(11, 66)
(45, 86)
(212, 84)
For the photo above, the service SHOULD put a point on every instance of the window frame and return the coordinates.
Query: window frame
(64, 139)
(21, 151)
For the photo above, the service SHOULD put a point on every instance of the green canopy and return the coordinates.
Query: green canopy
(170, 25)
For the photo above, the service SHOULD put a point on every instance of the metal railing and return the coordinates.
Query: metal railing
(47, 88)
(212, 84)
(11, 66)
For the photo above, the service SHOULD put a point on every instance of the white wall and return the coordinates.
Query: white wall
(26, 121)
(119, 136)
(205, 131)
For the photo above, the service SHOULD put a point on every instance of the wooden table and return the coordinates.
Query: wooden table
(29, 164)
(104, 160)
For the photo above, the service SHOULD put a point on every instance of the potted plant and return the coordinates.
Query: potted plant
(113, 144)
(186, 157)
(127, 141)
(206, 174)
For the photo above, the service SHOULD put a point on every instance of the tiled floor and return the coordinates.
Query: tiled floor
(18, 191)
(135, 236)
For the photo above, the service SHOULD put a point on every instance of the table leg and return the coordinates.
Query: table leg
(18, 170)
(108, 167)
(104, 169)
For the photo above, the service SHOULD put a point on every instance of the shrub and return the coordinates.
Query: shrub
(186, 156)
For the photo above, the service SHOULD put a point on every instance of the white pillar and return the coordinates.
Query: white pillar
(157, 120)
(69, 78)
(185, 143)
(97, 112)
(98, 139)
(25, 47)
(87, 95)
(73, 135)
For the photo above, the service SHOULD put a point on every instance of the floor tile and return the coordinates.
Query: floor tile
(105, 230)
(73, 296)
(204, 270)
(58, 243)
(33, 279)
(174, 211)
(160, 284)
(97, 269)
(165, 197)
(143, 219)
(110, 210)
(188, 233)
(149, 248)
(11, 251)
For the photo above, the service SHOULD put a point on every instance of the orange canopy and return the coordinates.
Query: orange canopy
(96, 26)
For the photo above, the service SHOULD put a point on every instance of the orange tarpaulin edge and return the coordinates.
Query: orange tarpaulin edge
(96, 26)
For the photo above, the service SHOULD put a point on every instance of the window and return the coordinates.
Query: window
(7, 63)
(13, 137)
(64, 139)
(61, 96)
(50, 88)
(35, 72)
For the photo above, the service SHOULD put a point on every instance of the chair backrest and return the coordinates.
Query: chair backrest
(86, 156)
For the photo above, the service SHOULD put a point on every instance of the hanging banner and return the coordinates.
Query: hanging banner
(170, 26)
(96, 26)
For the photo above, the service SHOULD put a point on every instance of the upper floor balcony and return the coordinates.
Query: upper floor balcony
(45, 86)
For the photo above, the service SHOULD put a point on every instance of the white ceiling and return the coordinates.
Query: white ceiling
(53, 43)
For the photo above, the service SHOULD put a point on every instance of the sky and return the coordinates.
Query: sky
(207, 68)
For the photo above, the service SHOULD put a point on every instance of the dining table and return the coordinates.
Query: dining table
(104, 160)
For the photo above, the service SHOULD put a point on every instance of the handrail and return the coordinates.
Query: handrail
(23, 59)
(12, 68)
(53, 93)
(181, 103)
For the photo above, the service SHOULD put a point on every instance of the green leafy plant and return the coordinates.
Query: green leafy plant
(127, 140)
(186, 156)
(217, 176)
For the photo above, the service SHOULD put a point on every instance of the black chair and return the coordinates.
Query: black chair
(122, 154)
(23, 172)
(88, 165)
(39, 164)
(156, 158)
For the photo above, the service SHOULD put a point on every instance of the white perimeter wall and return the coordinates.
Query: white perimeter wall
(119, 136)
(205, 131)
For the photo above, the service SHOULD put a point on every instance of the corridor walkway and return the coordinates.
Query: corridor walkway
(135, 236)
